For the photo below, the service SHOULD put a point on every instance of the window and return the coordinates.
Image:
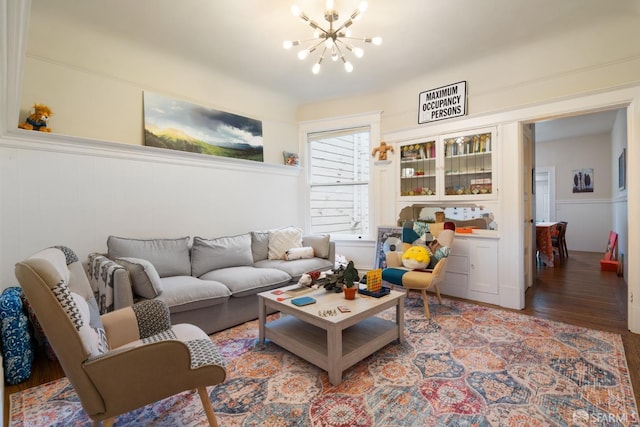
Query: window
(339, 181)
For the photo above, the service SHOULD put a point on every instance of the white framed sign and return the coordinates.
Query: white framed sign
(442, 103)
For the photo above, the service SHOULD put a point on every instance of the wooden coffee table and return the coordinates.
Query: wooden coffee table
(331, 342)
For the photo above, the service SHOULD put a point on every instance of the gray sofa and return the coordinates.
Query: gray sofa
(211, 283)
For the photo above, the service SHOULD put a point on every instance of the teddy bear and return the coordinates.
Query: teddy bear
(37, 120)
(382, 150)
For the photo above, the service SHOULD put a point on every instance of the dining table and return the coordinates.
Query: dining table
(544, 231)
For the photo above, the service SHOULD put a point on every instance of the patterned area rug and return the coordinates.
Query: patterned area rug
(469, 366)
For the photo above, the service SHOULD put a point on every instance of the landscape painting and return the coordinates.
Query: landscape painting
(181, 125)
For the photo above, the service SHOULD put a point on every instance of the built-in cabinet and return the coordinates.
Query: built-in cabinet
(448, 171)
(453, 166)
(472, 268)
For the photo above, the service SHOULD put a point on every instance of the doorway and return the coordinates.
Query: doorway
(572, 140)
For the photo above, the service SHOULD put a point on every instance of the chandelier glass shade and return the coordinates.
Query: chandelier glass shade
(333, 41)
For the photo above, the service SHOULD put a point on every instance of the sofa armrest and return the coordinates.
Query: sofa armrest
(110, 283)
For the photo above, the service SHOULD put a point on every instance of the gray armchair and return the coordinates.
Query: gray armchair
(122, 360)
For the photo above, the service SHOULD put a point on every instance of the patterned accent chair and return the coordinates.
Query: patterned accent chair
(122, 360)
(418, 279)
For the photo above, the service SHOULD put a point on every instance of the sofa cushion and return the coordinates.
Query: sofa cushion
(184, 293)
(297, 268)
(170, 257)
(221, 252)
(144, 277)
(282, 240)
(319, 243)
(260, 245)
(243, 281)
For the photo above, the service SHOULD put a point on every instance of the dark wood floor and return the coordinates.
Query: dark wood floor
(574, 291)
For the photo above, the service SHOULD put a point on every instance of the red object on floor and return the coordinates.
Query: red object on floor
(608, 265)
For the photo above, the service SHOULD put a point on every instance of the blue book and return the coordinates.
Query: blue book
(303, 301)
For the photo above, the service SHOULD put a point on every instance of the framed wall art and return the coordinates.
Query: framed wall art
(622, 170)
(180, 125)
(582, 180)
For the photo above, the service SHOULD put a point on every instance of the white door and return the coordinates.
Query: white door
(545, 194)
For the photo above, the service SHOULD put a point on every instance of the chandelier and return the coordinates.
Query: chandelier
(332, 40)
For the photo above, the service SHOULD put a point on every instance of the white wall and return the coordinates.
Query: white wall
(92, 178)
(588, 214)
(59, 192)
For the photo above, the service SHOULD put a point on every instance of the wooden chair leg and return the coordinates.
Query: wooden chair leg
(426, 303)
(206, 404)
(437, 289)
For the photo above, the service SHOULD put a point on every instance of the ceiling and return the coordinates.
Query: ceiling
(576, 126)
(243, 38)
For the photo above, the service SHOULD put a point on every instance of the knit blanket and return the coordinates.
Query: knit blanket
(100, 271)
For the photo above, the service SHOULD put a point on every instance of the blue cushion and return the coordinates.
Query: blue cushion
(17, 350)
(393, 275)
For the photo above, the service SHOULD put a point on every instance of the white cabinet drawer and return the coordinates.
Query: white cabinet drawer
(458, 264)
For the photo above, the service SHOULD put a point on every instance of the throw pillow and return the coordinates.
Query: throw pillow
(260, 245)
(230, 251)
(282, 240)
(144, 277)
(416, 258)
(319, 243)
(299, 253)
(170, 257)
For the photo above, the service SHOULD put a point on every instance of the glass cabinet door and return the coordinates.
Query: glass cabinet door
(468, 164)
(418, 169)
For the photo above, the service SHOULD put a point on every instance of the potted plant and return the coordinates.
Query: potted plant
(349, 278)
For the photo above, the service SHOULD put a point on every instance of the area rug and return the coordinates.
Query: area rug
(469, 365)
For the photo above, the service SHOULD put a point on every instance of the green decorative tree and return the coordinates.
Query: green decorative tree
(350, 275)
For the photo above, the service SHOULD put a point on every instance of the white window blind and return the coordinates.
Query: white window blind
(339, 181)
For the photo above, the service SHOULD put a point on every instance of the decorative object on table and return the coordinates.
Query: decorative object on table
(38, 118)
(349, 278)
(583, 180)
(382, 150)
(180, 125)
(291, 159)
(334, 40)
(331, 279)
(374, 280)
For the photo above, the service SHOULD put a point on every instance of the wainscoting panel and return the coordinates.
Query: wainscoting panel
(73, 192)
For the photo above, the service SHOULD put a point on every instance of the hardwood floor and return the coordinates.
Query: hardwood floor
(575, 291)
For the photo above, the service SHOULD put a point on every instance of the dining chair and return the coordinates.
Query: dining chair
(559, 241)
